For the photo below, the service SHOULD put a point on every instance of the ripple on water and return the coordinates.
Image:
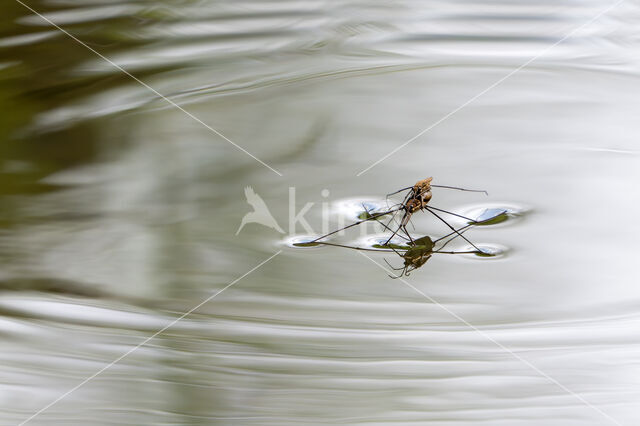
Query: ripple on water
(302, 241)
(376, 242)
(354, 208)
(494, 213)
(84, 312)
(489, 251)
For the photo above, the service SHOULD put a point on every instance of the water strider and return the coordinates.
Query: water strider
(416, 199)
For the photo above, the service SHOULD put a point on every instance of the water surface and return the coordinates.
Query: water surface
(118, 212)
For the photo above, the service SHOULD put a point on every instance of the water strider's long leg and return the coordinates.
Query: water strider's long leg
(393, 218)
(392, 235)
(399, 190)
(455, 252)
(355, 248)
(409, 236)
(453, 214)
(452, 228)
(399, 227)
(380, 222)
(453, 237)
(410, 222)
(404, 228)
(465, 228)
(393, 206)
(355, 224)
(391, 249)
(461, 230)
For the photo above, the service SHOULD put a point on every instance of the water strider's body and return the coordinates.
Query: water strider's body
(422, 190)
(417, 198)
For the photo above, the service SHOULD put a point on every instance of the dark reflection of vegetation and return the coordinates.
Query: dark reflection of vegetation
(50, 285)
(37, 77)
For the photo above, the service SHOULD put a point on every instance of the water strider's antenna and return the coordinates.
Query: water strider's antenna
(460, 189)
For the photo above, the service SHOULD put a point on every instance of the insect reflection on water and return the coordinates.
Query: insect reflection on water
(416, 252)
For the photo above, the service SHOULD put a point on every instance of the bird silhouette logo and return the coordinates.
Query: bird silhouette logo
(260, 213)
